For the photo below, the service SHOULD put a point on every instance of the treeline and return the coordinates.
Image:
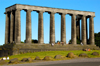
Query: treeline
(97, 39)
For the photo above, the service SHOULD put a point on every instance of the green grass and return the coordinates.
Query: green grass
(53, 53)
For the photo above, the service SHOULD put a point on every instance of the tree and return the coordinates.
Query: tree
(34, 41)
(97, 38)
(78, 41)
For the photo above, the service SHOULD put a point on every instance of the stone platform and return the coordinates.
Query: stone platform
(14, 49)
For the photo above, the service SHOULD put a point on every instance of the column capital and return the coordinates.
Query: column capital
(73, 14)
(40, 11)
(62, 13)
(51, 12)
(84, 15)
(17, 9)
(92, 16)
(7, 12)
(28, 10)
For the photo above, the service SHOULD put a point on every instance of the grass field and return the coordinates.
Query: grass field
(53, 53)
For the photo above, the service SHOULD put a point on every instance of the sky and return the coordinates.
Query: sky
(83, 5)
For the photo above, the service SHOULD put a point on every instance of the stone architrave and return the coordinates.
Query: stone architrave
(91, 39)
(84, 30)
(11, 27)
(28, 26)
(40, 28)
(73, 29)
(17, 26)
(63, 28)
(52, 28)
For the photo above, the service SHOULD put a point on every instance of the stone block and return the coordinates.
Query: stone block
(47, 58)
(83, 55)
(95, 53)
(70, 55)
(15, 60)
(58, 57)
(37, 58)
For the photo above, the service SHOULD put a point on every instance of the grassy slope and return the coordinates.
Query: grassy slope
(53, 53)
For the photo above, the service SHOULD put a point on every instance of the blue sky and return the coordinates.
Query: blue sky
(84, 5)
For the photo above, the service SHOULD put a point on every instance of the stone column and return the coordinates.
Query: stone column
(52, 28)
(73, 29)
(78, 28)
(40, 28)
(84, 30)
(28, 27)
(11, 27)
(63, 28)
(17, 27)
(7, 28)
(91, 39)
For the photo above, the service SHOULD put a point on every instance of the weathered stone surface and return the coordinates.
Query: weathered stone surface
(95, 53)
(15, 60)
(84, 30)
(78, 28)
(17, 32)
(17, 26)
(38, 8)
(83, 55)
(37, 58)
(29, 59)
(28, 26)
(73, 29)
(91, 23)
(52, 28)
(47, 58)
(26, 59)
(26, 48)
(6, 30)
(70, 55)
(40, 28)
(58, 57)
(63, 28)
(2, 62)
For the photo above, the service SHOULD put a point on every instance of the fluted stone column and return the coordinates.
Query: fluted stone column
(28, 26)
(91, 39)
(11, 27)
(78, 28)
(7, 28)
(17, 26)
(73, 29)
(84, 30)
(40, 28)
(63, 28)
(52, 28)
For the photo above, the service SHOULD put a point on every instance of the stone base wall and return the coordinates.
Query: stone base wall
(12, 49)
